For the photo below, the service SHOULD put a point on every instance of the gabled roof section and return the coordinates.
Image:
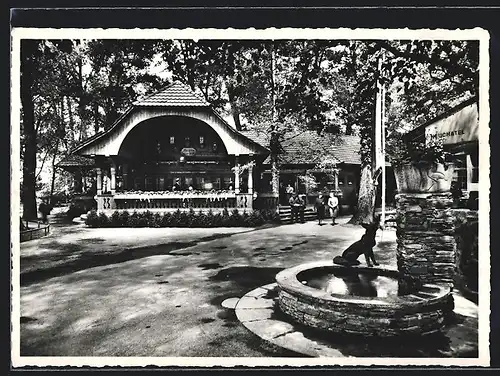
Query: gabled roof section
(74, 160)
(176, 94)
(308, 147)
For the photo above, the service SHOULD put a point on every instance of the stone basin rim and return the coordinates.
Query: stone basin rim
(287, 280)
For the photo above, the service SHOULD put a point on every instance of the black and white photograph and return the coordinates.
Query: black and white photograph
(250, 197)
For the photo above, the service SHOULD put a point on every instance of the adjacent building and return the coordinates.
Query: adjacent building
(458, 129)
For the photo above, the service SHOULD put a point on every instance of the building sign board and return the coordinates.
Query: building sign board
(462, 126)
(188, 152)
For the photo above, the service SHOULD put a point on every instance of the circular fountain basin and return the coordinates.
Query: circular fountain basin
(361, 300)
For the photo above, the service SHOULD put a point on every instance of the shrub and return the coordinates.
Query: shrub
(256, 218)
(244, 218)
(225, 220)
(116, 220)
(191, 220)
(209, 219)
(166, 220)
(235, 219)
(92, 219)
(182, 219)
(134, 220)
(103, 220)
(76, 210)
(217, 220)
(124, 218)
(157, 220)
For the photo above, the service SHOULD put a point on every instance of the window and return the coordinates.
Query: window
(460, 171)
(228, 182)
(137, 184)
(202, 142)
(200, 182)
(474, 166)
(187, 141)
(214, 146)
(188, 182)
(160, 183)
(216, 183)
(172, 140)
(148, 184)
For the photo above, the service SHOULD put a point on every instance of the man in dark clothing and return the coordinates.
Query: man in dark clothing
(294, 207)
(320, 208)
(44, 209)
(301, 202)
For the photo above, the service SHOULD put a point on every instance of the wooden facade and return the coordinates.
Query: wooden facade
(171, 151)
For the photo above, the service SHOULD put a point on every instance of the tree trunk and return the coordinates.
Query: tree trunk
(274, 145)
(234, 108)
(53, 181)
(366, 198)
(30, 147)
(71, 132)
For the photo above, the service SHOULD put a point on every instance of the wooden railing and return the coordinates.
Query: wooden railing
(171, 201)
(34, 233)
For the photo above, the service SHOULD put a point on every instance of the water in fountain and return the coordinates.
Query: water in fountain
(353, 283)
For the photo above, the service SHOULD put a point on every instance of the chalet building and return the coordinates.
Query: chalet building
(171, 150)
(458, 129)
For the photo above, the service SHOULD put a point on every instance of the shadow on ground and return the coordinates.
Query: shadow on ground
(72, 258)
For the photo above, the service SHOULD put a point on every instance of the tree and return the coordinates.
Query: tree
(431, 76)
(36, 59)
(69, 87)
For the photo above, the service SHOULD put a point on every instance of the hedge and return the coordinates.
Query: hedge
(183, 219)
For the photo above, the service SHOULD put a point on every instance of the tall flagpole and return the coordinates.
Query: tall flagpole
(379, 137)
(382, 130)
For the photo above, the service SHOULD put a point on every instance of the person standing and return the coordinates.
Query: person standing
(44, 209)
(289, 192)
(294, 207)
(302, 206)
(333, 205)
(319, 205)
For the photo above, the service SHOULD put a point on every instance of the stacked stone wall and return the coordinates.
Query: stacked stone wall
(427, 246)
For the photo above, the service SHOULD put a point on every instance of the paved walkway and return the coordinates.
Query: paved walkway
(158, 292)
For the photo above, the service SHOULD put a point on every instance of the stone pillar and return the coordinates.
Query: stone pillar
(250, 179)
(99, 181)
(112, 184)
(425, 235)
(236, 174)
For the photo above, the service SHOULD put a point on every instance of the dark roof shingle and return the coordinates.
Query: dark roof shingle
(75, 160)
(308, 147)
(175, 95)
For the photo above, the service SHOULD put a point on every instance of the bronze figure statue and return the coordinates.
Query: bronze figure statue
(363, 246)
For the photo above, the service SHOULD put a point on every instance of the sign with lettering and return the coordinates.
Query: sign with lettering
(188, 152)
(462, 126)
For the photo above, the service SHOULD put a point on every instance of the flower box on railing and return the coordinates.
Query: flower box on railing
(173, 195)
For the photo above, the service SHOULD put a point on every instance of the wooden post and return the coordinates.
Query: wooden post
(125, 177)
(99, 181)
(236, 174)
(336, 179)
(112, 183)
(382, 142)
(250, 179)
